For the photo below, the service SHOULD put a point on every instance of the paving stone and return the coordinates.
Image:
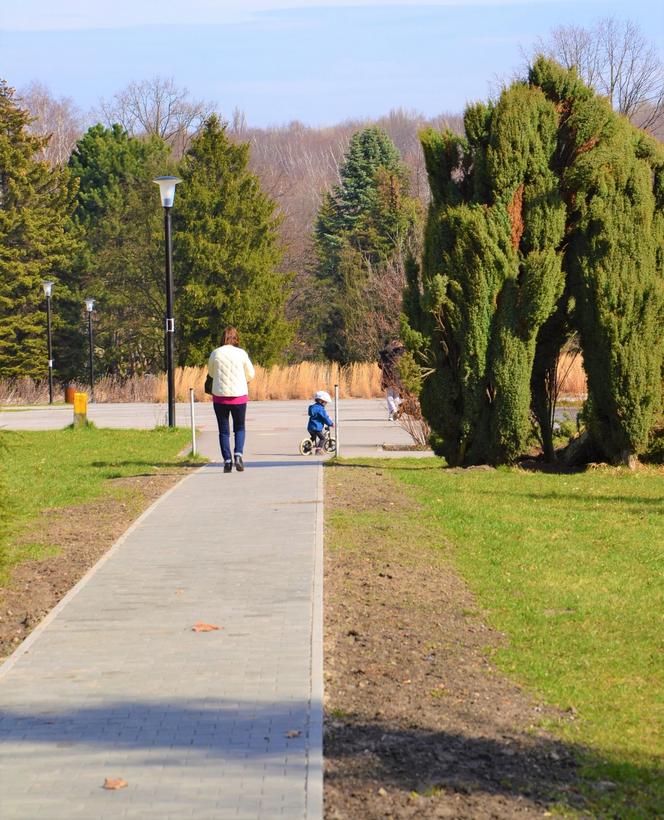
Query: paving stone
(117, 684)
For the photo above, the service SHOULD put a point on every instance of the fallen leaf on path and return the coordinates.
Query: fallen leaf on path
(201, 626)
(114, 784)
(293, 733)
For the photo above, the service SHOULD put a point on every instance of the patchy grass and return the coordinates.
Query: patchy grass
(570, 567)
(58, 469)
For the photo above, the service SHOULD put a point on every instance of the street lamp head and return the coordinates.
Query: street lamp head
(89, 305)
(167, 189)
(48, 288)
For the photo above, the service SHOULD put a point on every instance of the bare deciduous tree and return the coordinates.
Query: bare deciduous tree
(615, 59)
(59, 119)
(157, 107)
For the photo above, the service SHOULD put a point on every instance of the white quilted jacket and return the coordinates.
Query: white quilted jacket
(231, 369)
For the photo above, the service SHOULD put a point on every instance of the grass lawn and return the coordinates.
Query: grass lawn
(60, 468)
(571, 568)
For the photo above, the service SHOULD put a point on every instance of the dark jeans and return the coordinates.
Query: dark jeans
(239, 413)
(317, 437)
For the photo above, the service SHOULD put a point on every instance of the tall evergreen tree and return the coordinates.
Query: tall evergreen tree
(491, 273)
(364, 230)
(613, 179)
(227, 253)
(545, 218)
(121, 218)
(37, 242)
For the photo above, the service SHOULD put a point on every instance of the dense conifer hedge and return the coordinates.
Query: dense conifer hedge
(545, 218)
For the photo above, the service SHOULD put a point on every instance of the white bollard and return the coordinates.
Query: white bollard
(337, 452)
(193, 421)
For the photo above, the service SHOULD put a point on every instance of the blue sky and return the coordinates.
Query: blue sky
(291, 59)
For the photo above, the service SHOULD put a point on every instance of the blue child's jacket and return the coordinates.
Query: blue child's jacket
(317, 418)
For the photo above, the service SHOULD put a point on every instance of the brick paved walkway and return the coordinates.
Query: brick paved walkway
(115, 684)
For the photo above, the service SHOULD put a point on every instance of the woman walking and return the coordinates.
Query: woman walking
(231, 370)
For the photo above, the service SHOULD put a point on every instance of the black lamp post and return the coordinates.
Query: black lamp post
(48, 290)
(89, 306)
(167, 193)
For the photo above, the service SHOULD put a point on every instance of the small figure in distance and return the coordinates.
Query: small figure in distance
(390, 380)
(318, 418)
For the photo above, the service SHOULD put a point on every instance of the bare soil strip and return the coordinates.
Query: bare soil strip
(418, 722)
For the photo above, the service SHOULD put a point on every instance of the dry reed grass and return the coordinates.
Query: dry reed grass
(572, 377)
(107, 389)
(299, 381)
(23, 391)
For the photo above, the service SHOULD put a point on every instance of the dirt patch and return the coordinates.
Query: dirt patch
(78, 536)
(418, 723)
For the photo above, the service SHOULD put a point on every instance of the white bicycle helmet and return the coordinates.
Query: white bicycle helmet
(323, 396)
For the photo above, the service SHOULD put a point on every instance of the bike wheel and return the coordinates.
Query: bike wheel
(330, 445)
(306, 447)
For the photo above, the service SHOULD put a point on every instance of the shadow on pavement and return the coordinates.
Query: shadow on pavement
(251, 464)
(228, 729)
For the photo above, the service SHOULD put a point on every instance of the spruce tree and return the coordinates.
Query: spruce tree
(227, 254)
(369, 151)
(365, 227)
(37, 242)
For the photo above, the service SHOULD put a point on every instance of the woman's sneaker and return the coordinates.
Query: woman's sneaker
(228, 466)
(239, 464)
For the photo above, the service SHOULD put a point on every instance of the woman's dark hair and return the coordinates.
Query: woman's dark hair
(231, 337)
